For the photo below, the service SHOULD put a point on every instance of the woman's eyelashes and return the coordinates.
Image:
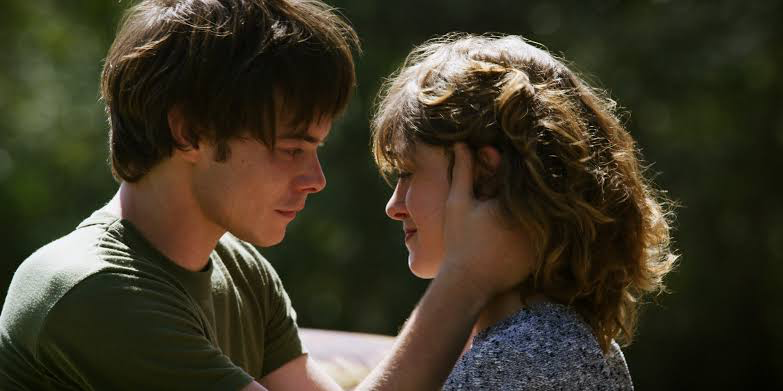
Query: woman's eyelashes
(403, 175)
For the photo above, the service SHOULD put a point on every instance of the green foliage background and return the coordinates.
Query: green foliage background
(701, 80)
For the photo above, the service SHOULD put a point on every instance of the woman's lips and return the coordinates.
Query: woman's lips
(409, 234)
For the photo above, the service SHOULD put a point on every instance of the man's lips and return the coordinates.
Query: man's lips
(409, 233)
(288, 213)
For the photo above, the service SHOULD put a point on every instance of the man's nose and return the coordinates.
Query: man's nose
(313, 179)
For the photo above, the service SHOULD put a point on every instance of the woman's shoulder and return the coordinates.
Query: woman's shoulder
(541, 346)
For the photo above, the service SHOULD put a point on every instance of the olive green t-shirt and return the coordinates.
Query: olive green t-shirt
(101, 309)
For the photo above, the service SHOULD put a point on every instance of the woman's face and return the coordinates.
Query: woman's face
(418, 202)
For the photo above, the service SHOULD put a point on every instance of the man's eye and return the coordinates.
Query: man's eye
(293, 152)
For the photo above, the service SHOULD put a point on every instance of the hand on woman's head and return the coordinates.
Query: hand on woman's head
(480, 248)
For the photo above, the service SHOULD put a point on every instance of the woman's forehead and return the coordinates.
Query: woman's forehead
(428, 155)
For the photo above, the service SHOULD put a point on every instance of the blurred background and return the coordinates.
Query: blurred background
(703, 84)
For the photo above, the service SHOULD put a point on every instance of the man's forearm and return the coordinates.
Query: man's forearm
(431, 340)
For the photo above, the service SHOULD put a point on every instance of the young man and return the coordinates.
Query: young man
(217, 109)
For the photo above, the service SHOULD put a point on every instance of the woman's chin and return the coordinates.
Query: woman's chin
(421, 269)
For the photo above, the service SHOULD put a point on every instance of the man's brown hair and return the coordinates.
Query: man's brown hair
(229, 66)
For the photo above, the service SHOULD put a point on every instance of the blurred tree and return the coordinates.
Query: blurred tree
(701, 81)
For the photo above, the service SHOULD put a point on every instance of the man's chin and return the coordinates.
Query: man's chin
(263, 240)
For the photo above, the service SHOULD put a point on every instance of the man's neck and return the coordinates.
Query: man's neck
(167, 215)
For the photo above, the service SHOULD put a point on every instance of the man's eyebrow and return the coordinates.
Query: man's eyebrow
(306, 137)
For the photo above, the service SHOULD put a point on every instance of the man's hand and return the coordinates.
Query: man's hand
(481, 248)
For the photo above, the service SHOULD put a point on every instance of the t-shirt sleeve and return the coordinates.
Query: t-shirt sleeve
(123, 332)
(281, 334)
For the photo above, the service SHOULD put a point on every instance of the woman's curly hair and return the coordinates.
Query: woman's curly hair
(570, 174)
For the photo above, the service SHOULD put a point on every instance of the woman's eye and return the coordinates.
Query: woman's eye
(404, 174)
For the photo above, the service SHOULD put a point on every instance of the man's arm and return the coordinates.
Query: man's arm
(476, 267)
(423, 354)
(254, 386)
(301, 373)
(431, 340)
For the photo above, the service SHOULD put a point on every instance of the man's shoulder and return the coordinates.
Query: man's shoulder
(251, 275)
(238, 254)
(59, 264)
(59, 267)
(74, 253)
(46, 276)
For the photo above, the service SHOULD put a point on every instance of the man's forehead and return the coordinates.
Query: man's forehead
(313, 132)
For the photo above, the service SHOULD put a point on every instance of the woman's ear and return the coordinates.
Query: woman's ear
(486, 184)
(489, 157)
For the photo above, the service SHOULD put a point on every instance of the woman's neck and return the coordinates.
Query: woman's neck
(500, 308)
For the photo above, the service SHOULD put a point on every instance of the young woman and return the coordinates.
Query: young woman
(560, 169)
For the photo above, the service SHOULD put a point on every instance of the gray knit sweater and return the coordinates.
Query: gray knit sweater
(545, 346)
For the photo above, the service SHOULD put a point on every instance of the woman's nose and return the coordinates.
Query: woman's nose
(396, 208)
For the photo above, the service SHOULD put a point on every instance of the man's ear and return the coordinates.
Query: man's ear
(178, 126)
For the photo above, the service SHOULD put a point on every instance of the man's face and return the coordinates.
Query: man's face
(257, 191)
